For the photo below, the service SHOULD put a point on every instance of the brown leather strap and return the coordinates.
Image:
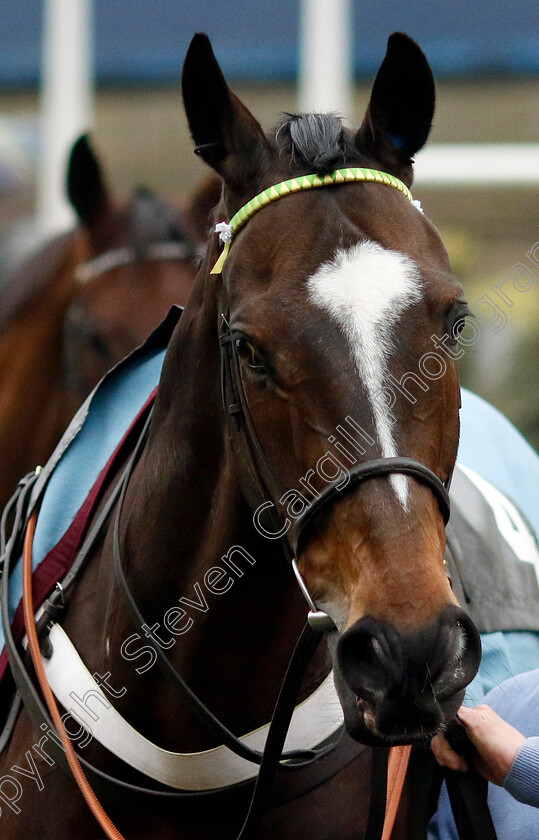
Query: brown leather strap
(399, 758)
(468, 791)
(93, 803)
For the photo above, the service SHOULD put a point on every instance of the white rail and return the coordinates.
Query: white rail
(66, 103)
(485, 164)
(325, 64)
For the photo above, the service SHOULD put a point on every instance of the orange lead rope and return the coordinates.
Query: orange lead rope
(93, 803)
(396, 773)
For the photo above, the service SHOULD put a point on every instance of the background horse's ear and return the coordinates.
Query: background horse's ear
(226, 134)
(86, 188)
(400, 112)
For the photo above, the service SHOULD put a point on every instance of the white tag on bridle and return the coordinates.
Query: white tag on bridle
(224, 230)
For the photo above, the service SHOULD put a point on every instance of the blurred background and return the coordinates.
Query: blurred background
(284, 56)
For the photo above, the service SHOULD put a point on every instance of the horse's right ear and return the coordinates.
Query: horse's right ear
(86, 188)
(227, 136)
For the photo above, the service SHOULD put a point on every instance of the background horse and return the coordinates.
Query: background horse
(324, 294)
(86, 299)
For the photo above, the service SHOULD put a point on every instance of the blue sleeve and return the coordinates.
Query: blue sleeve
(522, 781)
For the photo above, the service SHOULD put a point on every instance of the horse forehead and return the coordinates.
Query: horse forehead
(365, 288)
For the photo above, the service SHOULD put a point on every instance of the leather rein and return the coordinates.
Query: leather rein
(269, 760)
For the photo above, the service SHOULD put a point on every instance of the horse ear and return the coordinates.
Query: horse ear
(86, 188)
(226, 135)
(401, 108)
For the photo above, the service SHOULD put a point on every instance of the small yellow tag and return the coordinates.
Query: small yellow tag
(218, 267)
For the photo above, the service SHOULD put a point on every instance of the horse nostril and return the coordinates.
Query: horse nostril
(370, 658)
(456, 655)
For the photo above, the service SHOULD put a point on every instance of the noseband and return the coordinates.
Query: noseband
(257, 479)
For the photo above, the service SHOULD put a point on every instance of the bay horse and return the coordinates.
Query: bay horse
(271, 438)
(84, 300)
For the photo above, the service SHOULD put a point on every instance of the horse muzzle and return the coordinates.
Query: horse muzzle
(401, 688)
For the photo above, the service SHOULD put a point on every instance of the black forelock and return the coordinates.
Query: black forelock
(318, 141)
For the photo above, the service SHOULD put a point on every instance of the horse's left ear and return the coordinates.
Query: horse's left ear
(226, 134)
(400, 112)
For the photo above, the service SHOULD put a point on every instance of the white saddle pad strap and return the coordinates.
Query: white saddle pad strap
(313, 721)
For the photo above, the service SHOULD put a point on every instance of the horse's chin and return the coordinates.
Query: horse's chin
(360, 720)
(359, 731)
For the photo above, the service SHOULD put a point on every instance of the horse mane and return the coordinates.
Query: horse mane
(318, 141)
(31, 320)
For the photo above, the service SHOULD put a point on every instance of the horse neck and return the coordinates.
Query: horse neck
(188, 533)
(33, 407)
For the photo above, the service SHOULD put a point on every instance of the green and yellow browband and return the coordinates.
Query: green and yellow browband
(227, 230)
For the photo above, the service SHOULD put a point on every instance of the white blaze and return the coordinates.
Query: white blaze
(365, 289)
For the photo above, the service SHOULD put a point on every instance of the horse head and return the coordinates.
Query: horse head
(334, 301)
(139, 257)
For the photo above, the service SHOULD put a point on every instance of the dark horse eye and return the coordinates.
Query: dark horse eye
(250, 357)
(456, 321)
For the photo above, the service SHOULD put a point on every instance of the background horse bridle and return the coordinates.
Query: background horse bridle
(77, 331)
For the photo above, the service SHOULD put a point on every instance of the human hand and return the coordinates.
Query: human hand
(496, 742)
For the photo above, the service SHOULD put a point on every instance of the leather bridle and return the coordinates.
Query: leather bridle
(258, 482)
(259, 485)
